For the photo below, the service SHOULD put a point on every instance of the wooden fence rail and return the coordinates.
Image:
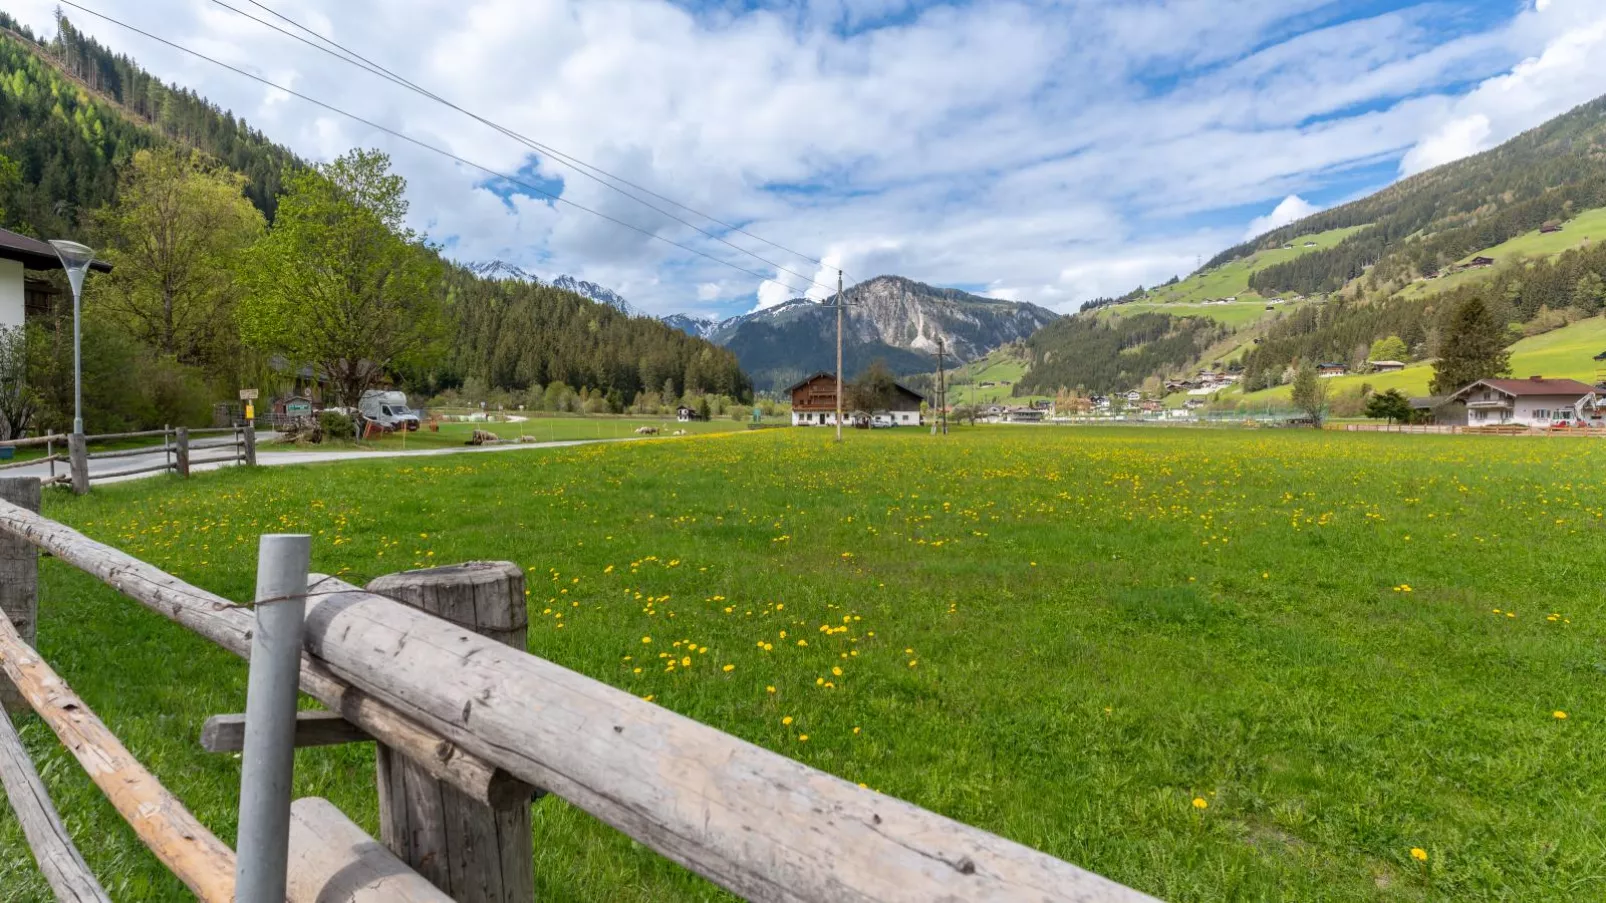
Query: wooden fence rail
(750, 820)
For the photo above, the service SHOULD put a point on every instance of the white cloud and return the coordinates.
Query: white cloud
(1570, 70)
(1292, 209)
(1053, 151)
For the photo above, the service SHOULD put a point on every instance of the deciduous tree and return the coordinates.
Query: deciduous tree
(176, 238)
(341, 282)
(1390, 405)
(873, 390)
(1310, 393)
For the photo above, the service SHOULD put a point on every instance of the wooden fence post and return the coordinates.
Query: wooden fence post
(250, 437)
(181, 457)
(19, 579)
(470, 850)
(78, 460)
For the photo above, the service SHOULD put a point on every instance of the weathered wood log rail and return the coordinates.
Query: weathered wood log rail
(494, 722)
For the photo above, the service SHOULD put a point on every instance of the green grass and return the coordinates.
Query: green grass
(1565, 353)
(1000, 366)
(542, 428)
(1587, 226)
(1063, 635)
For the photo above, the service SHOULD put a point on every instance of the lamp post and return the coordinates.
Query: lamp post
(75, 259)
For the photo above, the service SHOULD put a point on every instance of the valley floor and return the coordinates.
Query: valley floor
(1345, 646)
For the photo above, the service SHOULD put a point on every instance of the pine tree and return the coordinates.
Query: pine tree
(1473, 348)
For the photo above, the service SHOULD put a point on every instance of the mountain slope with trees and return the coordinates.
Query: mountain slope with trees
(94, 148)
(1391, 278)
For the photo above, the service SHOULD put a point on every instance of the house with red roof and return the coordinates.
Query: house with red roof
(1534, 402)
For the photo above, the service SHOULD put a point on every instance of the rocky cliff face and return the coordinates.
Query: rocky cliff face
(596, 293)
(891, 318)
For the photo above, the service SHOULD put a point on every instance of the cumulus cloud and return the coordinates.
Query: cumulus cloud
(1051, 151)
(1292, 209)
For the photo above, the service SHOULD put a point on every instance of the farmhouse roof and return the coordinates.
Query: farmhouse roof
(35, 254)
(1533, 385)
(1387, 363)
(808, 379)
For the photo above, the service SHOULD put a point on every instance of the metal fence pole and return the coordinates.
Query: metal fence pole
(268, 759)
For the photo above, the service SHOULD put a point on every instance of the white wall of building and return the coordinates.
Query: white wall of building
(1528, 410)
(11, 301)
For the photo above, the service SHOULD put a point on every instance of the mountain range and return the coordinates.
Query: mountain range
(890, 318)
(501, 269)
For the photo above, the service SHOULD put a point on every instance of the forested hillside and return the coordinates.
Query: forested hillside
(94, 148)
(1098, 355)
(1424, 223)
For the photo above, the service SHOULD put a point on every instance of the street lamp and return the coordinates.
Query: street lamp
(75, 259)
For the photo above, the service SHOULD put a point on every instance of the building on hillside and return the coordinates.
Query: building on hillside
(24, 287)
(1025, 415)
(686, 414)
(1193, 404)
(814, 403)
(1533, 402)
(1133, 397)
(1548, 228)
(1331, 369)
(1385, 366)
(1481, 262)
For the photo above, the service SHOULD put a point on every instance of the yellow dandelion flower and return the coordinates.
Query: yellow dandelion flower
(1200, 802)
(1419, 854)
(1559, 715)
(787, 720)
(729, 668)
(802, 738)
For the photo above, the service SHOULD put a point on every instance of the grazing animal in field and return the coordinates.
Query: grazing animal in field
(680, 432)
(646, 430)
(481, 437)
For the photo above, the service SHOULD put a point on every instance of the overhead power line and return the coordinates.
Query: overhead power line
(351, 57)
(425, 145)
(346, 54)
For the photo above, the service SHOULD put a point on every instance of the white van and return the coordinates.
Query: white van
(388, 409)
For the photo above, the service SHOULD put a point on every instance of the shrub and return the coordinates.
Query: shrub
(334, 424)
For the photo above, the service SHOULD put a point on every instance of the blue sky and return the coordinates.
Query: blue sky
(1049, 151)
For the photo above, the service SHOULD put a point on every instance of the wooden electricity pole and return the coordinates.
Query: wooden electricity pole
(839, 355)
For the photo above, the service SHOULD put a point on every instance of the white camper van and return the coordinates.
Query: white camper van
(388, 409)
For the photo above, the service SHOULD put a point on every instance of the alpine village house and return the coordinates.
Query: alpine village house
(814, 404)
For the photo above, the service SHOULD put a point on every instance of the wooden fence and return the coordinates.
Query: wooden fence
(177, 449)
(432, 665)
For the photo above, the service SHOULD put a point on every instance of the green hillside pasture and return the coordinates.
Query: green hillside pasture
(1213, 665)
(1232, 279)
(999, 366)
(1576, 232)
(1565, 353)
(1587, 226)
(1237, 314)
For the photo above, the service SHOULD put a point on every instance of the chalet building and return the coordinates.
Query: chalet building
(686, 414)
(24, 288)
(1533, 402)
(814, 403)
(1548, 228)
(1025, 415)
(1481, 262)
(1385, 366)
(1331, 369)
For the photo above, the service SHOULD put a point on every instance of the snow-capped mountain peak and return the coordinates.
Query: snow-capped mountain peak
(596, 293)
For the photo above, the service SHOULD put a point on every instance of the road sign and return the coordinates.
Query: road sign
(248, 395)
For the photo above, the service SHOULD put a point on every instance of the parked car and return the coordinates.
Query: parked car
(882, 421)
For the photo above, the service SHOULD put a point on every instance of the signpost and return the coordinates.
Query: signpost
(248, 396)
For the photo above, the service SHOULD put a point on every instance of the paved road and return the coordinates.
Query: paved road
(268, 458)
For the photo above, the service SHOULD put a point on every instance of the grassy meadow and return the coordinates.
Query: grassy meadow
(559, 428)
(1213, 665)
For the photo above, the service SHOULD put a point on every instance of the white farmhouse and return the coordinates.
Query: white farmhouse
(23, 286)
(1535, 401)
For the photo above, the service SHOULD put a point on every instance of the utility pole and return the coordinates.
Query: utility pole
(839, 355)
(942, 389)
